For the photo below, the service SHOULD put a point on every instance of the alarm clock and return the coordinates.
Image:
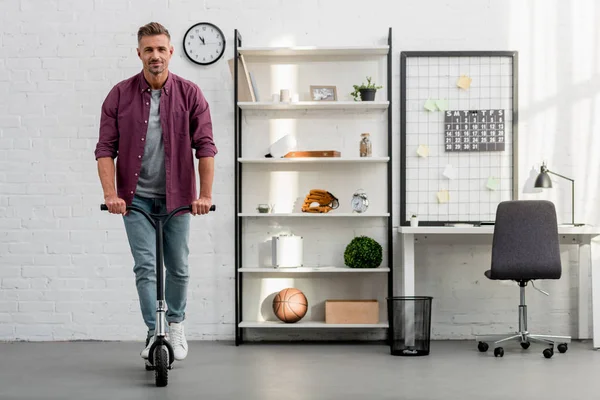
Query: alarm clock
(360, 202)
(204, 43)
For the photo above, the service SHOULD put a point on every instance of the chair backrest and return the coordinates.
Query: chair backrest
(525, 244)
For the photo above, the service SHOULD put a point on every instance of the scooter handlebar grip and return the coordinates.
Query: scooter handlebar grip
(103, 207)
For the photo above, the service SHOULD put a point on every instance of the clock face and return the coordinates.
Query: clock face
(359, 204)
(204, 43)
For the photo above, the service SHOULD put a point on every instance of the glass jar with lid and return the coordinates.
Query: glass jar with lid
(365, 145)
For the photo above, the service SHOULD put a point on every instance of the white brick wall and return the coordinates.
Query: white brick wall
(65, 269)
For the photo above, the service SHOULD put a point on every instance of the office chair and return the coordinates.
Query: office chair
(525, 248)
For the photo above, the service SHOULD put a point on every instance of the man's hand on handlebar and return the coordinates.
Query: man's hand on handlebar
(116, 205)
(201, 205)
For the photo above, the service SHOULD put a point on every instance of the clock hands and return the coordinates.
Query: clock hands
(201, 38)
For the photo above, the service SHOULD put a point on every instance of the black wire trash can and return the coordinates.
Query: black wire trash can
(410, 318)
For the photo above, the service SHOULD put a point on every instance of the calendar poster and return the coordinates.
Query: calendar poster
(474, 130)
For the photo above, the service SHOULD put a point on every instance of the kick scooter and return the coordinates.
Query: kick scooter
(160, 356)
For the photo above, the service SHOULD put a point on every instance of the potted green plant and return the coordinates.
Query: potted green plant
(364, 92)
(363, 252)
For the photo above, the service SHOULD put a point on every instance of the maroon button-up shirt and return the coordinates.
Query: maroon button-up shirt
(186, 125)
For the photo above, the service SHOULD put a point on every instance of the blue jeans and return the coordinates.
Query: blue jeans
(142, 241)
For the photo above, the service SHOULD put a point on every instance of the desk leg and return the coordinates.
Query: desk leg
(595, 270)
(408, 265)
(408, 286)
(585, 263)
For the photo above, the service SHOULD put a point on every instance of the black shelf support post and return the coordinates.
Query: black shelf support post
(238, 191)
(390, 207)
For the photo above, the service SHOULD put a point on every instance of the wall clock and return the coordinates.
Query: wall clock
(204, 43)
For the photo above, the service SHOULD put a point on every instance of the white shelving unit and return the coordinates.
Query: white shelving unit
(257, 282)
(323, 269)
(314, 51)
(314, 160)
(331, 214)
(308, 324)
(315, 105)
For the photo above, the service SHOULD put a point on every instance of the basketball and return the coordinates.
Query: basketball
(290, 305)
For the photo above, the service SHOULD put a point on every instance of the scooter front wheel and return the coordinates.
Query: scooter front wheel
(161, 366)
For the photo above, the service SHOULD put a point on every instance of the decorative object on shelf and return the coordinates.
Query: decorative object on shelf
(360, 202)
(366, 148)
(290, 305)
(351, 311)
(287, 251)
(364, 92)
(544, 181)
(319, 201)
(244, 84)
(263, 208)
(414, 220)
(204, 43)
(363, 252)
(282, 146)
(284, 95)
(313, 153)
(323, 93)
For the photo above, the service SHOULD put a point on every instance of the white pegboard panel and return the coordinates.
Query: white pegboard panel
(458, 122)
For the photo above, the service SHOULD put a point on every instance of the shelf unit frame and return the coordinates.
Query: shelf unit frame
(239, 160)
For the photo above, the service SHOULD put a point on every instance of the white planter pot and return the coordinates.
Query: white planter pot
(414, 221)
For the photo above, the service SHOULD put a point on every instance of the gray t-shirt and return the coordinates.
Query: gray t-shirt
(152, 180)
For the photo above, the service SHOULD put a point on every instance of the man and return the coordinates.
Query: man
(150, 123)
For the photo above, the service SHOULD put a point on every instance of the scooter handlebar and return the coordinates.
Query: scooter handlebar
(104, 207)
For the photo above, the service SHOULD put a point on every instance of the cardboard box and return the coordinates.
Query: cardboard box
(351, 311)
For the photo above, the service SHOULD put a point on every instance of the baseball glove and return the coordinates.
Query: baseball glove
(319, 201)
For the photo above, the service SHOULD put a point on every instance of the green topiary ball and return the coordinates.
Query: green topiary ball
(363, 252)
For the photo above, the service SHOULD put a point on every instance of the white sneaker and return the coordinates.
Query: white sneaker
(145, 352)
(177, 339)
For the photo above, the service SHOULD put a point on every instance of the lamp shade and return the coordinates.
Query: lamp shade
(543, 180)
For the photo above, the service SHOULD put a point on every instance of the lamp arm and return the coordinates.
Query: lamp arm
(572, 194)
(562, 176)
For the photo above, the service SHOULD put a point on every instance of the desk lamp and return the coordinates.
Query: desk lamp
(544, 181)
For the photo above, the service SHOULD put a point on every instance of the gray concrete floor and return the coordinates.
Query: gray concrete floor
(215, 370)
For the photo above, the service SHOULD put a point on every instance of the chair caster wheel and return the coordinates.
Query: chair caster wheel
(548, 353)
(498, 352)
(562, 348)
(525, 345)
(483, 347)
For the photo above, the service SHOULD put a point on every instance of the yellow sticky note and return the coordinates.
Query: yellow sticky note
(443, 196)
(430, 105)
(492, 183)
(423, 150)
(442, 105)
(464, 82)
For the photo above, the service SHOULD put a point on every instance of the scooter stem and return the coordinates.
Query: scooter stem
(160, 300)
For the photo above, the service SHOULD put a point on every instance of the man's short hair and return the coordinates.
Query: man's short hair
(151, 29)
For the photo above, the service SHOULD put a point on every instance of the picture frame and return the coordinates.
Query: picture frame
(323, 93)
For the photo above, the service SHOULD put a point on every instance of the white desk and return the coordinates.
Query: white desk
(580, 236)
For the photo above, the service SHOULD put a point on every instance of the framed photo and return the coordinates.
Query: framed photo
(323, 93)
